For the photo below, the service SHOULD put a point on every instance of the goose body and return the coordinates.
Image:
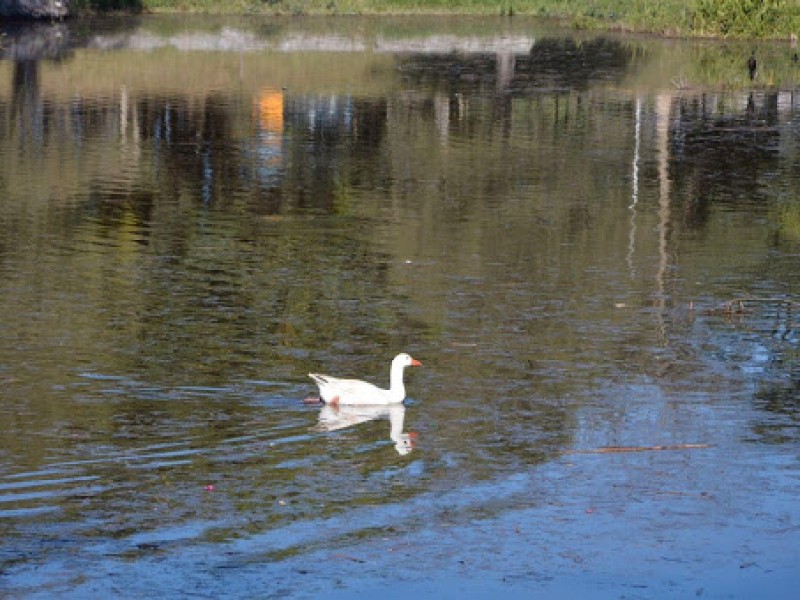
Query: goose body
(333, 390)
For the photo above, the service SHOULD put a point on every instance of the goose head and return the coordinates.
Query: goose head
(405, 360)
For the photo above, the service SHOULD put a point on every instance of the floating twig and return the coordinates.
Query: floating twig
(619, 449)
(741, 306)
(354, 559)
(729, 309)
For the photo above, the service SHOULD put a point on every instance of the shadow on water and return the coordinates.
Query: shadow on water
(563, 248)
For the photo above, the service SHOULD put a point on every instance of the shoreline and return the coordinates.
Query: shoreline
(664, 18)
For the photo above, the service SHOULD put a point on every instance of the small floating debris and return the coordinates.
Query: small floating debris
(354, 559)
(148, 546)
(619, 449)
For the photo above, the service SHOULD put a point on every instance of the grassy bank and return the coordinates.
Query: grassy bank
(734, 18)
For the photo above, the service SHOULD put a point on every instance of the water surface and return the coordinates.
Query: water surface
(590, 242)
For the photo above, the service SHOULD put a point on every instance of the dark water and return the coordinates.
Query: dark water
(591, 242)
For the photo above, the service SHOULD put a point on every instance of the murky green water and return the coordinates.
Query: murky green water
(591, 242)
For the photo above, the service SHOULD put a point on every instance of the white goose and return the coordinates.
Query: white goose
(333, 390)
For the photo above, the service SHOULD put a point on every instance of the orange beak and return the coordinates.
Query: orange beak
(415, 363)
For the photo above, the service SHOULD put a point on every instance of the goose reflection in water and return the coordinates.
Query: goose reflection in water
(334, 417)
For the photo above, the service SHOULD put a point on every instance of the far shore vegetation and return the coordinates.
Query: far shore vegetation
(710, 18)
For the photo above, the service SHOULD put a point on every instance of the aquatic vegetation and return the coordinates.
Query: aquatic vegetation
(789, 221)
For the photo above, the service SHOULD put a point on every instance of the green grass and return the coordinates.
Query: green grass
(714, 18)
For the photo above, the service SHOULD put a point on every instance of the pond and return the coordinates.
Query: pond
(590, 241)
